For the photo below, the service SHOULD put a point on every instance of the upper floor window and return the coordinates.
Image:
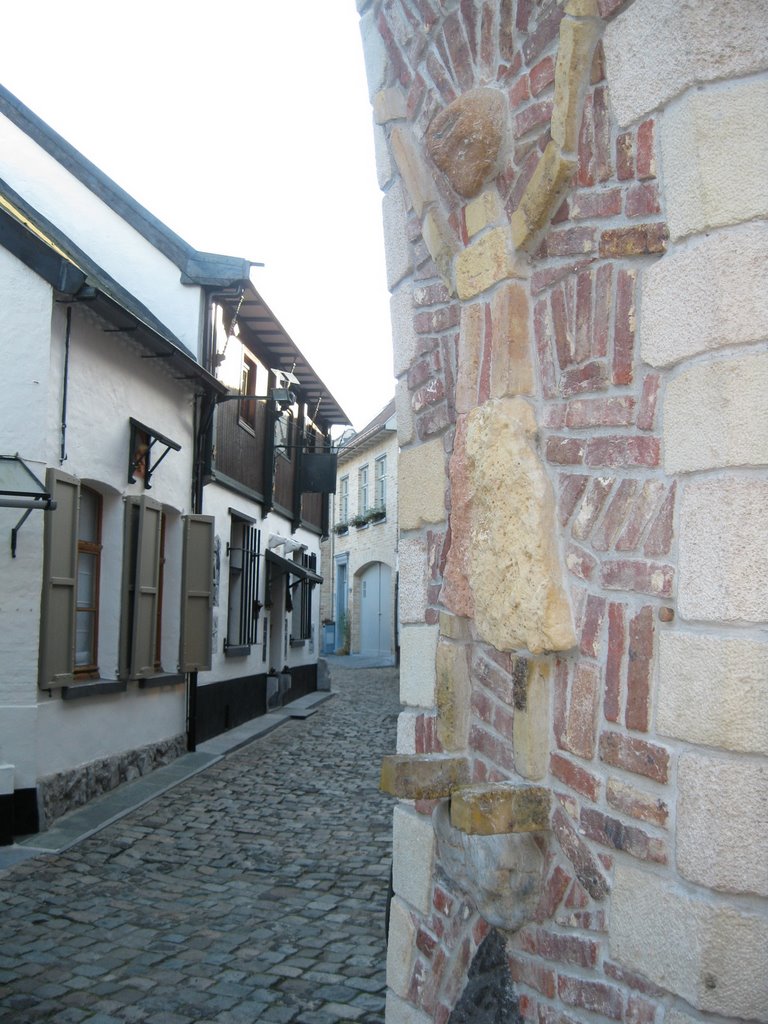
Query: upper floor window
(344, 499)
(380, 499)
(247, 407)
(363, 495)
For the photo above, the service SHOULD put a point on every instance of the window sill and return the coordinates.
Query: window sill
(298, 643)
(93, 688)
(237, 650)
(161, 679)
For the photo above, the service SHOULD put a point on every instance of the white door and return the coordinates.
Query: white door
(376, 610)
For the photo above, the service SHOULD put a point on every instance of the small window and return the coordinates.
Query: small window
(244, 607)
(363, 497)
(301, 622)
(381, 483)
(247, 407)
(283, 434)
(344, 499)
(88, 573)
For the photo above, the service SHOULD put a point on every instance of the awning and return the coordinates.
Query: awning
(293, 568)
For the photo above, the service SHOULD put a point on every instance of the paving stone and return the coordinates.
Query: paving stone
(254, 890)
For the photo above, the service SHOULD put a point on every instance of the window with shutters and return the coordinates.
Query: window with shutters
(87, 587)
(142, 597)
(244, 607)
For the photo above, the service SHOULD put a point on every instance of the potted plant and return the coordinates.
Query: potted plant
(341, 528)
(359, 520)
(376, 514)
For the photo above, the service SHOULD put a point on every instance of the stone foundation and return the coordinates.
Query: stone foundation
(66, 791)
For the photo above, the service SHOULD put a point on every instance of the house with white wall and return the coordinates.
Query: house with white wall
(360, 593)
(126, 513)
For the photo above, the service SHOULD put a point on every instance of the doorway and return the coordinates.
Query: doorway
(376, 610)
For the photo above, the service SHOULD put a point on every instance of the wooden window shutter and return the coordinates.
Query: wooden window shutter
(141, 577)
(197, 595)
(59, 593)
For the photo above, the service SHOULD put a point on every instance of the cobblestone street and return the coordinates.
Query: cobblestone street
(253, 891)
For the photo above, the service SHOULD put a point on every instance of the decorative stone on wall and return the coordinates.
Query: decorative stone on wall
(580, 348)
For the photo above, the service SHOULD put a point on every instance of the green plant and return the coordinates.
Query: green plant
(341, 527)
(344, 631)
(359, 519)
(376, 514)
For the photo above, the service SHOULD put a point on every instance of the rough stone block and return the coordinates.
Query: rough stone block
(442, 243)
(401, 947)
(397, 250)
(483, 212)
(423, 776)
(376, 60)
(389, 105)
(710, 294)
(711, 955)
(578, 39)
(504, 509)
(454, 627)
(722, 827)
(542, 196)
(530, 726)
(452, 694)
(413, 854)
(470, 356)
(415, 173)
(713, 690)
(421, 485)
(498, 808)
(412, 553)
(418, 647)
(385, 169)
(465, 138)
(492, 258)
(723, 562)
(511, 342)
(705, 187)
(715, 414)
(697, 42)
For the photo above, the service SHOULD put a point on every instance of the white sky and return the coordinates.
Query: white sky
(245, 126)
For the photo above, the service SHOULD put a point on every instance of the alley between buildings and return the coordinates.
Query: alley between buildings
(252, 891)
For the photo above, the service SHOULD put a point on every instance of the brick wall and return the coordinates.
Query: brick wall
(574, 213)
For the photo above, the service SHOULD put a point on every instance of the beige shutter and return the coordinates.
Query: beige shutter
(59, 592)
(141, 575)
(197, 595)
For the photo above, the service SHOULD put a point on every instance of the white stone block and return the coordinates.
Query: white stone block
(716, 414)
(406, 731)
(406, 428)
(400, 947)
(723, 562)
(714, 151)
(693, 42)
(709, 294)
(413, 845)
(418, 647)
(397, 249)
(713, 690)
(722, 824)
(384, 168)
(404, 336)
(375, 53)
(399, 1012)
(711, 955)
(412, 554)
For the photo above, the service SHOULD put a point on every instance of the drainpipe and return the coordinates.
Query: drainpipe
(67, 337)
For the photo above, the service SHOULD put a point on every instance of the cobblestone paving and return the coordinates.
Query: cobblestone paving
(254, 891)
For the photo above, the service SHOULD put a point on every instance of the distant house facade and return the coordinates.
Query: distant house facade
(149, 579)
(360, 594)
